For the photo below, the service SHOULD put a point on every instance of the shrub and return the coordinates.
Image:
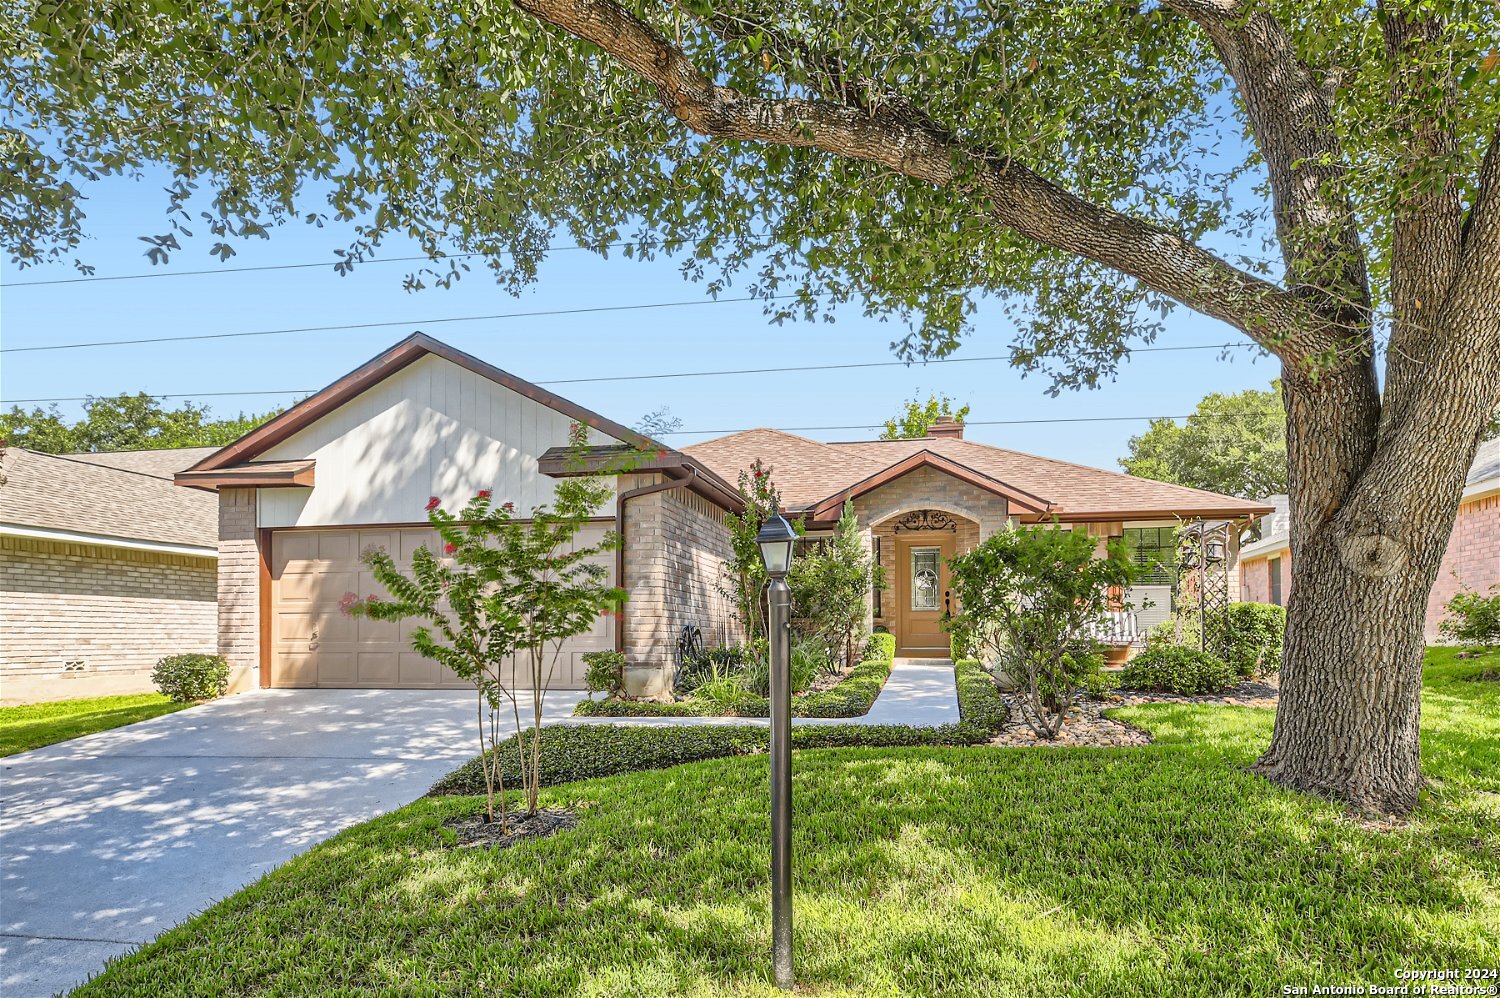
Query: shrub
(853, 697)
(1253, 634)
(713, 664)
(1178, 669)
(605, 672)
(725, 695)
(979, 699)
(881, 645)
(637, 708)
(1473, 620)
(186, 678)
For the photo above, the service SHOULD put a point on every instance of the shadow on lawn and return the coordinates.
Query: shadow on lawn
(1145, 871)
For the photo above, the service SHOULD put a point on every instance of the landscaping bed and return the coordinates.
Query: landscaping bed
(583, 751)
(852, 695)
(1164, 869)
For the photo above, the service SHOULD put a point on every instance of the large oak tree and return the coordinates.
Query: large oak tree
(1323, 176)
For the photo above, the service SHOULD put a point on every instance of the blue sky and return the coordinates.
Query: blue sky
(695, 338)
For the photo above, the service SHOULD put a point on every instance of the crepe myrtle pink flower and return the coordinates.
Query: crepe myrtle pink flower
(348, 602)
(509, 507)
(449, 548)
(483, 494)
(433, 503)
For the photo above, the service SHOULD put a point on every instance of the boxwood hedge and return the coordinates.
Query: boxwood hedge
(852, 697)
(1178, 669)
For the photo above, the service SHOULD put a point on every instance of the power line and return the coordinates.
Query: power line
(971, 422)
(401, 322)
(656, 377)
(90, 278)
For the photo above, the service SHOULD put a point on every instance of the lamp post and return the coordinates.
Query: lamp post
(775, 539)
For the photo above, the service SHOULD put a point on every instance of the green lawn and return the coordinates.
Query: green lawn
(35, 725)
(954, 871)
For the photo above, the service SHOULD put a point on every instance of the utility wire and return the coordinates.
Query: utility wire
(400, 322)
(656, 377)
(92, 278)
(971, 422)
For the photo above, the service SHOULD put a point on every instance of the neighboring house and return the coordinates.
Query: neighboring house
(105, 567)
(353, 466)
(1472, 560)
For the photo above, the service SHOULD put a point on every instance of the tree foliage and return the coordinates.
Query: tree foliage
(916, 416)
(123, 422)
(744, 580)
(831, 583)
(1032, 600)
(1234, 444)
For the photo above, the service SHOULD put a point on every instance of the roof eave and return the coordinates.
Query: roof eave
(927, 459)
(299, 474)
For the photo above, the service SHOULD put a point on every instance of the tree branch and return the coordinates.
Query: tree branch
(1294, 131)
(907, 144)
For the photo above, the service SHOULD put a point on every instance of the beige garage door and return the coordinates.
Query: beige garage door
(313, 644)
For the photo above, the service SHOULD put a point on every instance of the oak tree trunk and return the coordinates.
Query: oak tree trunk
(1375, 490)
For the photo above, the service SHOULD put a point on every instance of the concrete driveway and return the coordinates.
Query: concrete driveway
(108, 840)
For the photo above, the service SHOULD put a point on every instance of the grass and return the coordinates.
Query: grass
(1165, 869)
(34, 725)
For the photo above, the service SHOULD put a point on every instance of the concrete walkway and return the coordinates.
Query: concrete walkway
(108, 840)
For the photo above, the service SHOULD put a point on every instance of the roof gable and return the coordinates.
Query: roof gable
(381, 367)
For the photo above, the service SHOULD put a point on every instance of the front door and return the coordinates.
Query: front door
(922, 594)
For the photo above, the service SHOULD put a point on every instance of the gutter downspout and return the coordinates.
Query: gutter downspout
(645, 490)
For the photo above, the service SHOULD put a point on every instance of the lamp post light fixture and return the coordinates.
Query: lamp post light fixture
(776, 539)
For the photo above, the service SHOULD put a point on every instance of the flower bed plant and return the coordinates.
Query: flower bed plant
(738, 691)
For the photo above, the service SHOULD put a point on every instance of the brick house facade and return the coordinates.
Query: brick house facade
(105, 568)
(1471, 560)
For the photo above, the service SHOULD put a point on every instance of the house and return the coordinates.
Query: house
(353, 466)
(105, 567)
(1471, 561)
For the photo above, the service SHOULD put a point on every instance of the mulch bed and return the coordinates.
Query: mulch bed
(1087, 726)
(476, 833)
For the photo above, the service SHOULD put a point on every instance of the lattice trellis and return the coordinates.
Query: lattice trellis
(1203, 556)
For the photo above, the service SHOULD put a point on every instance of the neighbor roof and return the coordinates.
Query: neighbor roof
(125, 496)
(810, 473)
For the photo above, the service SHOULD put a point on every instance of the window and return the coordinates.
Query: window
(924, 578)
(1155, 550)
(1274, 565)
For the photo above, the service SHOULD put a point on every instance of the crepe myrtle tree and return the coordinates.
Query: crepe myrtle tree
(467, 623)
(1322, 177)
(497, 606)
(1032, 599)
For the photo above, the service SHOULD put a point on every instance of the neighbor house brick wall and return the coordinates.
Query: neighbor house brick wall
(1472, 559)
(1256, 575)
(239, 580)
(676, 550)
(70, 613)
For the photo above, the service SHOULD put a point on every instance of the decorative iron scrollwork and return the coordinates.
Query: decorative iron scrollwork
(927, 519)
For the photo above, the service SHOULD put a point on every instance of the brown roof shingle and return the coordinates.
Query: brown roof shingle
(808, 472)
(96, 494)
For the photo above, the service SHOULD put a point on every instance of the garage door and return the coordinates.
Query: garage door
(314, 644)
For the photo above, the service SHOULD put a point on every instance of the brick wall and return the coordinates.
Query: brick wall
(1472, 559)
(1256, 576)
(109, 612)
(239, 581)
(676, 549)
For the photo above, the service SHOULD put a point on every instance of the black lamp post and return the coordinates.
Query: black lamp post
(776, 539)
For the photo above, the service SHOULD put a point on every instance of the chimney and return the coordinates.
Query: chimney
(946, 428)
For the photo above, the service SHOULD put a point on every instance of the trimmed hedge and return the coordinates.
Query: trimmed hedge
(852, 697)
(1178, 669)
(1254, 633)
(979, 699)
(882, 645)
(637, 708)
(584, 751)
